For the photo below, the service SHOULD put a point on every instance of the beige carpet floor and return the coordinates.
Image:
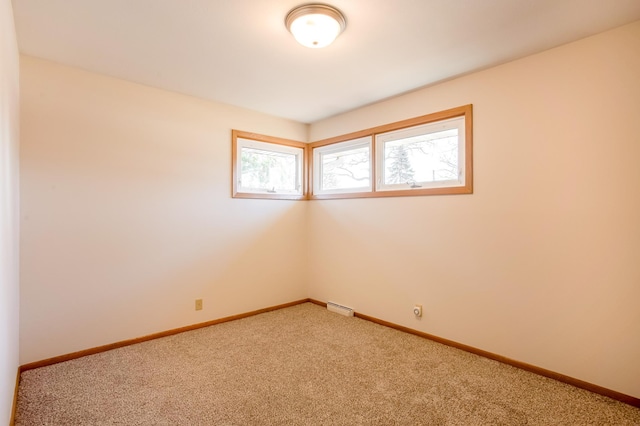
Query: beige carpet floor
(302, 366)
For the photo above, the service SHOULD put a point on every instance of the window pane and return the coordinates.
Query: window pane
(268, 170)
(430, 157)
(346, 169)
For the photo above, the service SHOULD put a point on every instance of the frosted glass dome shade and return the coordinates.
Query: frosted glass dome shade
(315, 26)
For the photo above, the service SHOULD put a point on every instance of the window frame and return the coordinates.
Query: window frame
(465, 111)
(284, 144)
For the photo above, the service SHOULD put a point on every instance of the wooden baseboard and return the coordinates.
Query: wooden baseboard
(110, 346)
(627, 399)
(14, 407)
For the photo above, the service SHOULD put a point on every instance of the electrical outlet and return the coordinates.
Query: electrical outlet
(198, 304)
(417, 310)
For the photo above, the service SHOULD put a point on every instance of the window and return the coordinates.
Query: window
(267, 167)
(343, 167)
(426, 155)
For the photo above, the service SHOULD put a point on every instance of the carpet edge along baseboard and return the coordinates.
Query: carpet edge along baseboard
(128, 342)
(619, 396)
(627, 399)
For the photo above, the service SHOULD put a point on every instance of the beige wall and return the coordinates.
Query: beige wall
(127, 216)
(542, 263)
(9, 216)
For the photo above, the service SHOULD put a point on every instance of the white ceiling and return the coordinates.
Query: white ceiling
(239, 52)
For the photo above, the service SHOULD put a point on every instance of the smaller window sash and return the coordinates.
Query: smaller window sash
(343, 167)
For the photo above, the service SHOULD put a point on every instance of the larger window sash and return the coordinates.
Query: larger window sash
(425, 156)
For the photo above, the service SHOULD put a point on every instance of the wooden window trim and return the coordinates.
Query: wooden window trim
(465, 111)
(235, 134)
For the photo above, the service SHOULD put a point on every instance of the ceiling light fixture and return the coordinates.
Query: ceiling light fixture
(315, 25)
